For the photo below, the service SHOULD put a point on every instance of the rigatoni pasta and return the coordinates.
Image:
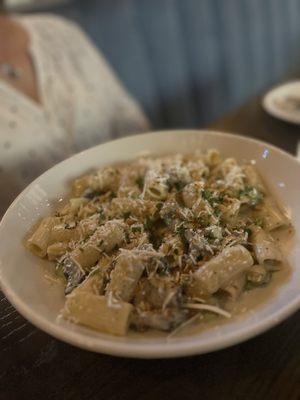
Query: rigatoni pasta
(271, 214)
(98, 312)
(41, 239)
(150, 244)
(126, 274)
(221, 270)
(265, 249)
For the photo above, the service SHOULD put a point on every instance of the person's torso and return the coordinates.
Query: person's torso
(81, 104)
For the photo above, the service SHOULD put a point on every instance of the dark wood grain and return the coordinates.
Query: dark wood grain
(33, 365)
(251, 120)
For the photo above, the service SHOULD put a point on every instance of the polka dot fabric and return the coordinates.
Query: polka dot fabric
(82, 104)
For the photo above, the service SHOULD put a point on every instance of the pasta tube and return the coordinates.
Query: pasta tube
(213, 157)
(125, 276)
(94, 283)
(272, 216)
(98, 312)
(192, 193)
(235, 289)
(86, 256)
(157, 190)
(73, 205)
(105, 239)
(254, 178)
(40, 239)
(80, 185)
(56, 250)
(258, 275)
(266, 250)
(104, 179)
(64, 233)
(108, 236)
(156, 186)
(100, 181)
(221, 270)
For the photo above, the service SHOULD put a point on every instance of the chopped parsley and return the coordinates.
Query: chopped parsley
(250, 195)
(217, 212)
(248, 231)
(206, 194)
(259, 222)
(212, 197)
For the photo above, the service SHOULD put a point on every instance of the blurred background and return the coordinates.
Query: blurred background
(187, 62)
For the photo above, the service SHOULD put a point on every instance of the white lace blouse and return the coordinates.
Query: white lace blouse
(82, 104)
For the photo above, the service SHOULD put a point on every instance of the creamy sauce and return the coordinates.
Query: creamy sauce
(250, 300)
(248, 303)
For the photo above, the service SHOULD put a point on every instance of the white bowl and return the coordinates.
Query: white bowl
(275, 100)
(22, 276)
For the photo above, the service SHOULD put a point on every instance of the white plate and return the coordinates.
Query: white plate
(275, 102)
(22, 277)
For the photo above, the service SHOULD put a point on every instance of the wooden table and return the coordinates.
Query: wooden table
(33, 365)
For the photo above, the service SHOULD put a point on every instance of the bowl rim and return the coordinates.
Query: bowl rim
(276, 112)
(187, 346)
